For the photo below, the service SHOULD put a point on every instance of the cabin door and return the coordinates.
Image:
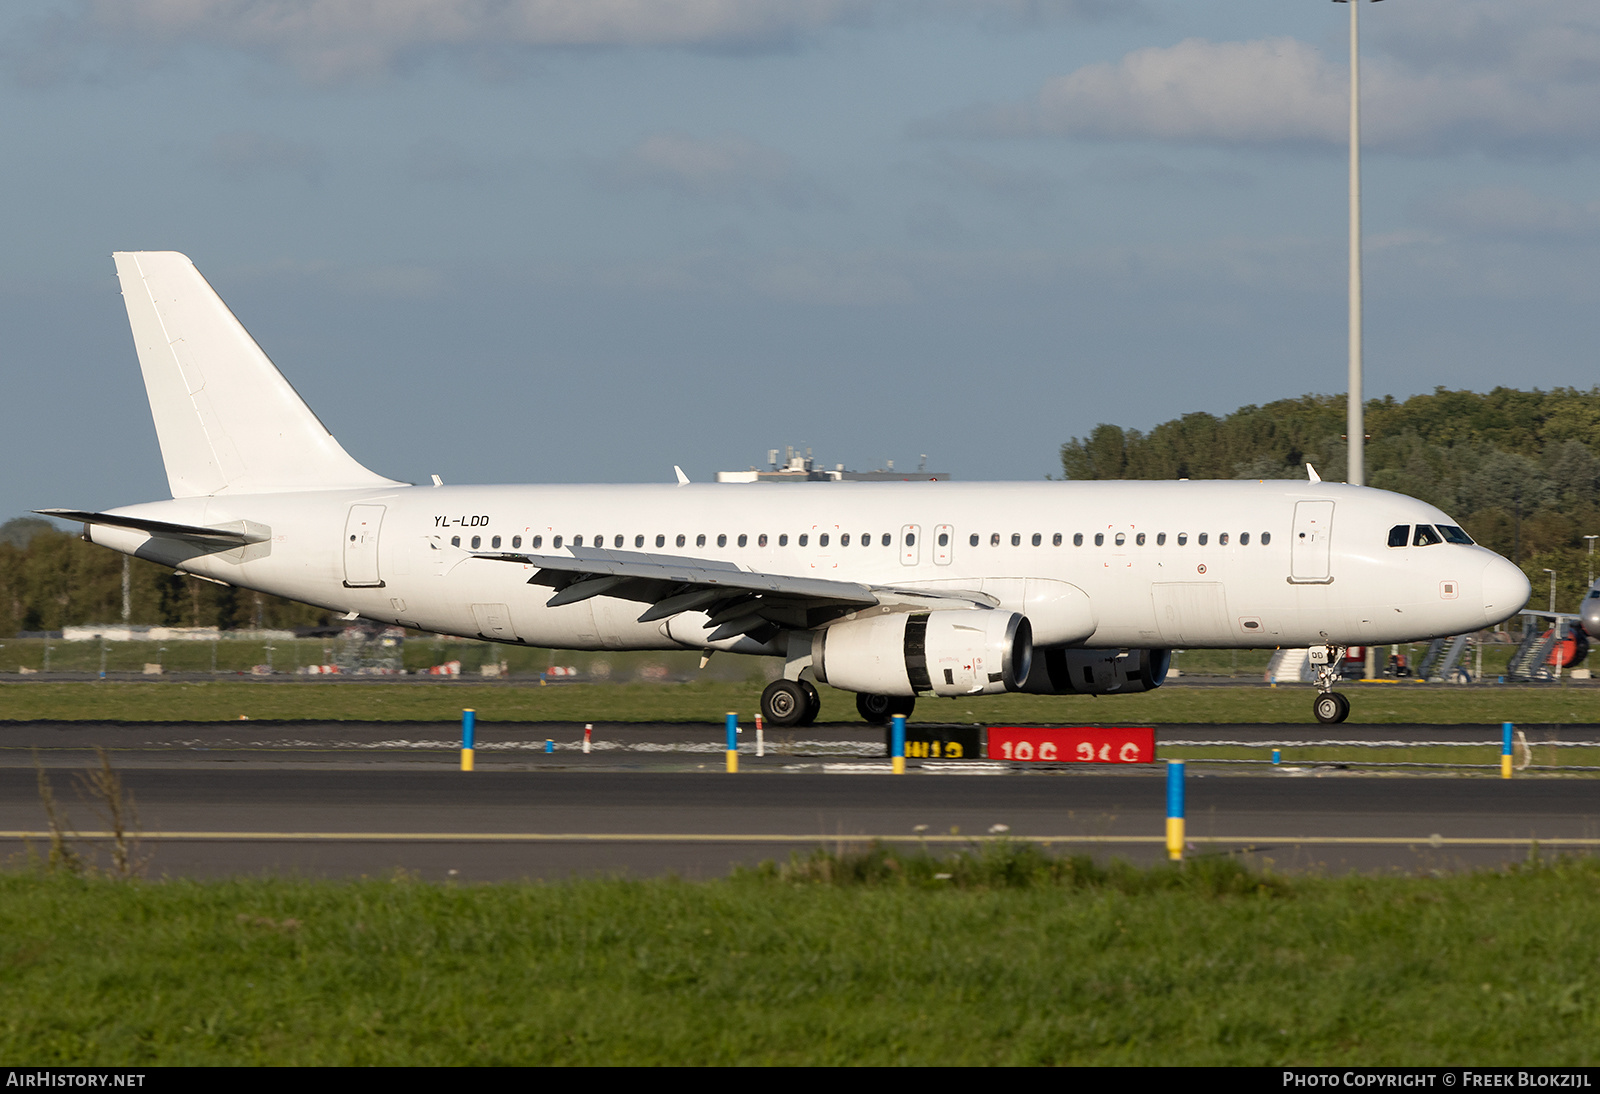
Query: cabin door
(1310, 548)
(361, 547)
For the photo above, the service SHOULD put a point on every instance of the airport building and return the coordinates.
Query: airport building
(802, 468)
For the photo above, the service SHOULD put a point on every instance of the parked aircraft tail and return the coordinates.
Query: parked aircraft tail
(227, 420)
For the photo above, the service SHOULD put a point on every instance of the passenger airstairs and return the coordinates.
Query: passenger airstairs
(1443, 659)
(1290, 667)
(1531, 661)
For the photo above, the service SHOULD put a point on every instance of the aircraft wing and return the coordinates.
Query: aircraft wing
(237, 534)
(740, 601)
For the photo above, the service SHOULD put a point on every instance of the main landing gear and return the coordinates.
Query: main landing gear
(878, 709)
(790, 703)
(1330, 707)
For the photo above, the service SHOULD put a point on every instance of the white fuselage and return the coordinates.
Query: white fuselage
(1178, 564)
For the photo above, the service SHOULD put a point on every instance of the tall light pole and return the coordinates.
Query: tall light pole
(1590, 540)
(1355, 416)
(1552, 574)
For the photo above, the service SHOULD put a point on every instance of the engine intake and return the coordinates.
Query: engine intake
(976, 652)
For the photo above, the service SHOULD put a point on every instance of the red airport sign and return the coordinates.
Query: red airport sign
(1074, 744)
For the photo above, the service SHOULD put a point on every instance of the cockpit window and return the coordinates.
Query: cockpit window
(1399, 534)
(1425, 537)
(1452, 534)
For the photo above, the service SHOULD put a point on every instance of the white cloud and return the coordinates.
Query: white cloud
(337, 39)
(727, 169)
(1510, 211)
(1489, 77)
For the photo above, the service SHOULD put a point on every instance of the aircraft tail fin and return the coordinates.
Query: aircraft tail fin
(227, 420)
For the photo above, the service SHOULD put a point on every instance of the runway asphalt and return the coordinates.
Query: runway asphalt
(341, 799)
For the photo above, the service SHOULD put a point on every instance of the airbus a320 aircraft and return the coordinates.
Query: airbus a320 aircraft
(889, 590)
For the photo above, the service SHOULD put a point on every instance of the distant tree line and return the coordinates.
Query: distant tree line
(1517, 469)
(50, 579)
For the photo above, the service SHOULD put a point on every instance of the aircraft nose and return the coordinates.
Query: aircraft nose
(1505, 590)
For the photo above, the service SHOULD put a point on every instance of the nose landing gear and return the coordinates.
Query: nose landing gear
(1330, 707)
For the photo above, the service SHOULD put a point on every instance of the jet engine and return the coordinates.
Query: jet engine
(1059, 671)
(967, 652)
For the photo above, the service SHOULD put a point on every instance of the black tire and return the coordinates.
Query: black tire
(1330, 708)
(813, 702)
(875, 708)
(784, 703)
(902, 704)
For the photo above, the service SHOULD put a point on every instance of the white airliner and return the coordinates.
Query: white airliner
(888, 590)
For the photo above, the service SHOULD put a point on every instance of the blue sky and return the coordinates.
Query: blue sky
(574, 240)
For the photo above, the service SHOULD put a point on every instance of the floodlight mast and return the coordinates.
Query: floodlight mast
(1355, 416)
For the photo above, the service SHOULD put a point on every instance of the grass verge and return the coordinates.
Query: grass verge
(1000, 956)
(708, 701)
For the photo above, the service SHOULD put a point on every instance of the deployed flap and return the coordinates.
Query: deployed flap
(238, 533)
(226, 418)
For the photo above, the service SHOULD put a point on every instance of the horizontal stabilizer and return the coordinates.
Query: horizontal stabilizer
(238, 534)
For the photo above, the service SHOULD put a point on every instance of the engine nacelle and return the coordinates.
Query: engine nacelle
(976, 652)
(1096, 672)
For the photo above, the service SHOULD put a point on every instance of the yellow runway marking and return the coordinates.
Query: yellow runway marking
(706, 837)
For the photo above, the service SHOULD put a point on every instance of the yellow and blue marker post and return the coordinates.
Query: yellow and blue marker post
(469, 720)
(1175, 810)
(897, 745)
(733, 742)
(1505, 750)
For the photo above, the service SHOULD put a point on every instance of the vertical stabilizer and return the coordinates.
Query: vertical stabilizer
(227, 420)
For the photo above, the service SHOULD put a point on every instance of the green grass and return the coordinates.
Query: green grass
(1015, 958)
(709, 700)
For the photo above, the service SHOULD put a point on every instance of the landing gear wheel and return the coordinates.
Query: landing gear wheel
(1331, 707)
(785, 703)
(875, 708)
(902, 704)
(813, 702)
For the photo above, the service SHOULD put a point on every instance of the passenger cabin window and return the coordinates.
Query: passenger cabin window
(1016, 539)
(1077, 539)
(1399, 534)
(1223, 539)
(556, 543)
(477, 541)
(661, 541)
(844, 540)
(761, 540)
(700, 540)
(495, 543)
(1122, 538)
(1139, 539)
(455, 541)
(1099, 539)
(866, 540)
(638, 541)
(783, 539)
(722, 540)
(994, 539)
(973, 540)
(1055, 540)
(680, 540)
(1266, 538)
(822, 540)
(1161, 539)
(743, 539)
(577, 541)
(1183, 539)
(803, 538)
(944, 539)
(1426, 536)
(1037, 539)
(516, 541)
(1244, 539)
(538, 541)
(617, 542)
(1202, 537)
